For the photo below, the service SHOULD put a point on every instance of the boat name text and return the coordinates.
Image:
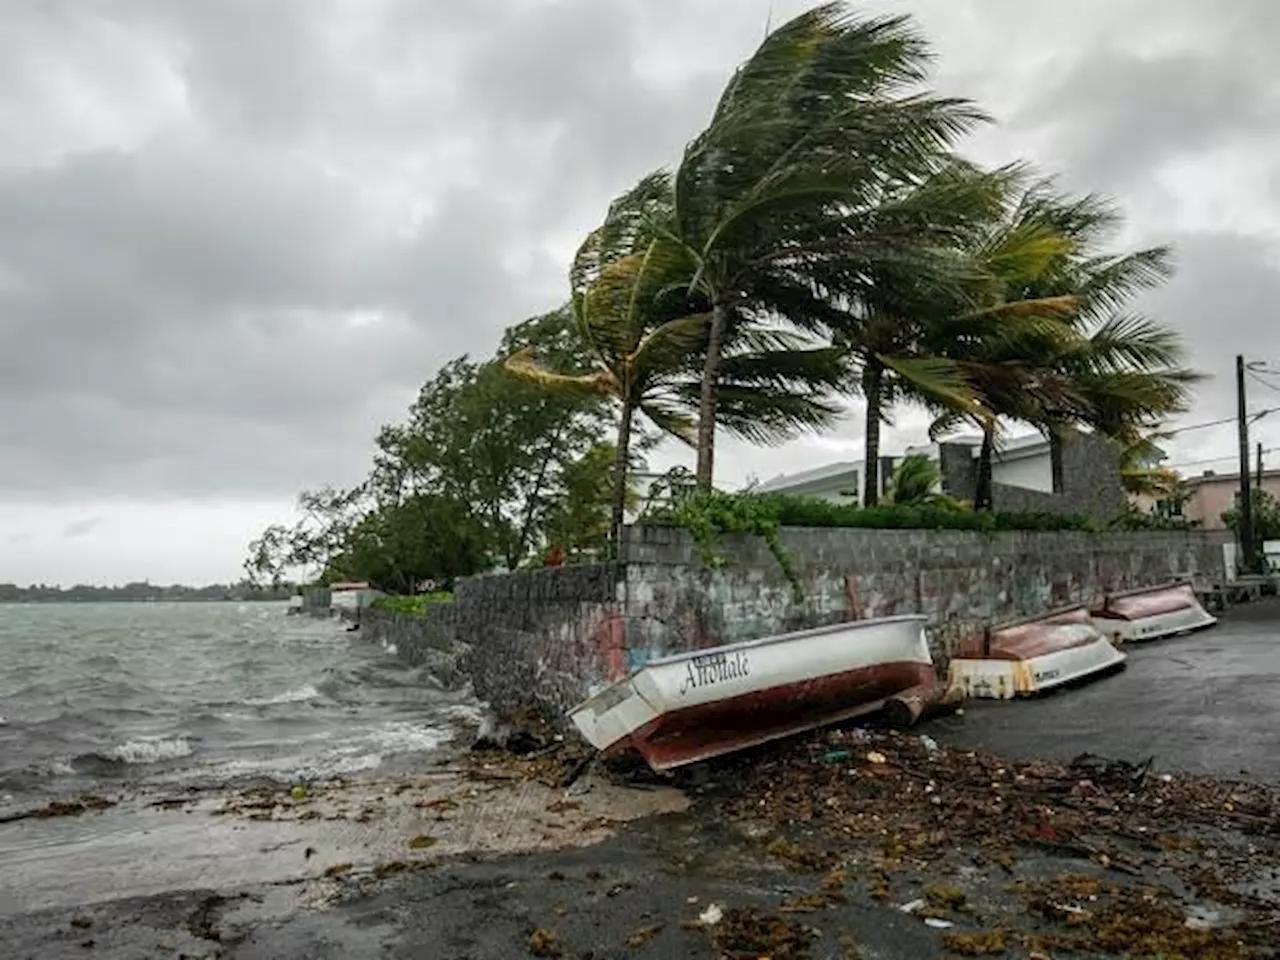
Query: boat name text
(713, 668)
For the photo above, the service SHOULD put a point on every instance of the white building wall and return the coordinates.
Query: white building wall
(1031, 473)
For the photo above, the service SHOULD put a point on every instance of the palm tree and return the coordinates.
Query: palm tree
(914, 481)
(634, 309)
(787, 197)
(1061, 356)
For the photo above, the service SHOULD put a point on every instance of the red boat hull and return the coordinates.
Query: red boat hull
(724, 726)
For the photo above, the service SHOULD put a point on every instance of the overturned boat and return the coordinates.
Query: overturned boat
(1150, 613)
(1033, 655)
(692, 706)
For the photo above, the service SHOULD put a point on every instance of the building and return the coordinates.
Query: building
(1211, 494)
(1022, 474)
(352, 595)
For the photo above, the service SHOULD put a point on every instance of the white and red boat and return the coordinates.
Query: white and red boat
(1033, 655)
(1150, 613)
(693, 706)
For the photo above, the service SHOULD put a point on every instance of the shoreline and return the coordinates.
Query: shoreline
(883, 843)
(970, 836)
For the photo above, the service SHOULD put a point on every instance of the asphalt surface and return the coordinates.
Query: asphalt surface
(1204, 703)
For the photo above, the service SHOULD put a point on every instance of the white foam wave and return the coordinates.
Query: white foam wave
(401, 737)
(297, 695)
(149, 750)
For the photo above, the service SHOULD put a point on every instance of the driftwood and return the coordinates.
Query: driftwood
(914, 704)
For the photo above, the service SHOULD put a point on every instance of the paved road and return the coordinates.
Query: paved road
(1208, 703)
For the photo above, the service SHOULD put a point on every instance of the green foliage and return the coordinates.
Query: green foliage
(1266, 516)
(481, 436)
(328, 516)
(1134, 519)
(415, 606)
(914, 482)
(709, 513)
(398, 546)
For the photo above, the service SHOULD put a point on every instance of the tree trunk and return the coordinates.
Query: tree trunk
(872, 389)
(707, 400)
(1055, 461)
(620, 458)
(982, 494)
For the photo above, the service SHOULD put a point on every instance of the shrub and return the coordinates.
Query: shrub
(415, 606)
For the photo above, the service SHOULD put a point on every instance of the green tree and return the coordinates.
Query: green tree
(480, 436)
(801, 180)
(397, 546)
(328, 516)
(1266, 516)
(647, 332)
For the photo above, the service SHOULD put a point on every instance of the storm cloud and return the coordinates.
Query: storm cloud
(236, 236)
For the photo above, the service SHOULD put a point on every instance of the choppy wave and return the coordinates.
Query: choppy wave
(142, 750)
(297, 695)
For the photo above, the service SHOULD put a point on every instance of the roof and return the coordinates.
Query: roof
(830, 471)
(349, 585)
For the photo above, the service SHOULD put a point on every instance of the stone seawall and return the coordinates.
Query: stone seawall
(549, 638)
(959, 579)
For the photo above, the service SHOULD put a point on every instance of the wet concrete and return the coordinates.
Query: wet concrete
(1202, 703)
(1206, 702)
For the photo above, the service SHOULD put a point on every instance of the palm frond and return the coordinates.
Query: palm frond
(523, 365)
(937, 378)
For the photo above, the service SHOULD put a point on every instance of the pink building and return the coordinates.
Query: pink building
(1213, 494)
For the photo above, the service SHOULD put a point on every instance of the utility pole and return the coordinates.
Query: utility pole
(1246, 497)
(1257, 474)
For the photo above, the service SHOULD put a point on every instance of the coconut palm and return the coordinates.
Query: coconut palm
(1060, 356)
(787, 196)
(634, 309)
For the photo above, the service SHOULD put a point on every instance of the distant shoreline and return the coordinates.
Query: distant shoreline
(49, 601)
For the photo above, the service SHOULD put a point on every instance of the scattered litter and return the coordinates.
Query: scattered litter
(930, 744)
(875, 756)
(937, 924)
(835, 756)
(913, 906)
(711, 916)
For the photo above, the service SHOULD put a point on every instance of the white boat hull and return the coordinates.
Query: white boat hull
(692, 706)
(1034, 656)
(1152, 613)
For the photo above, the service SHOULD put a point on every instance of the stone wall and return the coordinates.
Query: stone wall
(415, 638)
(543, 637)
(550, 638)
(959, 579)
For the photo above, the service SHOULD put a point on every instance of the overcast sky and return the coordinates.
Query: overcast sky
(237, 235)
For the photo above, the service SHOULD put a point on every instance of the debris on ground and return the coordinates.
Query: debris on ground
(89, 803)
(747, 934)
(545, 943)
(943, 833)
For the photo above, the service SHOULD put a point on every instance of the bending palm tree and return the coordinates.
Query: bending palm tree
(1078, 363)
(634, 311)
(780, 201)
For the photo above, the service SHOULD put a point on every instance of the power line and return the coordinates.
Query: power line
(1198, 463)
(1266, 383)
(1257, 415)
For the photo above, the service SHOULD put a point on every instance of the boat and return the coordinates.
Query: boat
(1149, 613)
(692, 706)
(1031, 656)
